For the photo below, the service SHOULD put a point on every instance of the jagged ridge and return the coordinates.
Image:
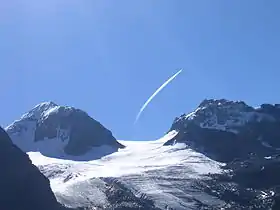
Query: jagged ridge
(227, 115)
(225, 129)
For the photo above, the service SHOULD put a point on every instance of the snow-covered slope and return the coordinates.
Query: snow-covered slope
(62, 132)
(145, 167)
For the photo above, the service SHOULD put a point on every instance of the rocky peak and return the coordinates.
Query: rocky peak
(52, 129)
(225, 115)
(225, 129)
(223, 103)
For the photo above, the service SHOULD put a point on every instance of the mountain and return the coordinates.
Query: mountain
(223, 155)
(22, 186)
(225, 130)
(62, 132)
(246, 140)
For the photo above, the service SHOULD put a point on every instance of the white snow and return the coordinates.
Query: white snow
(22, 131)
(51, 110)
(138, 157)
(25, 139)
(77, 180)
(41, 110)
(192, 115)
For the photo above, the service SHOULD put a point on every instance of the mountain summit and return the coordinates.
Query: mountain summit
(217, 157)
(225, 130)
(62, 132)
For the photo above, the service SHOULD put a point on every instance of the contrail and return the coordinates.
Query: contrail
(155, 93)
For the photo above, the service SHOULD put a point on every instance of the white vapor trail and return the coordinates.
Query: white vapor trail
(155, 93)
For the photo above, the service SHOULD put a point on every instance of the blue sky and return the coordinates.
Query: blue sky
(108, 57)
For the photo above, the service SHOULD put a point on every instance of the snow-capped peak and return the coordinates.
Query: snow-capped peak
(55, 130)
(40, 110)
(223, 115)
(36, 114)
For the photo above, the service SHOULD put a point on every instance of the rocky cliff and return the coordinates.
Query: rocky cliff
(22, 186)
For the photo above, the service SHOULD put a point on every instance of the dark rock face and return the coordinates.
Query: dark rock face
(70, 127)
(225, 130)
(22, 186)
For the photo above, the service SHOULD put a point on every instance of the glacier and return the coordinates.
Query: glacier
(145, 167)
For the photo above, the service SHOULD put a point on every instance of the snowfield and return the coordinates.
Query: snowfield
(162, 172)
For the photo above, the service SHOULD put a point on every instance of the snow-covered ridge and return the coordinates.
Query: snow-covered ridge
(225, 115)
(41, 110)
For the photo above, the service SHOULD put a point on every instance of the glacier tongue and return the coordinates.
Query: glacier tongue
(145, 166)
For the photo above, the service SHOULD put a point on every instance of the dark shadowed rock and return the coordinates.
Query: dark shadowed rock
(49, 128)
(22, 186)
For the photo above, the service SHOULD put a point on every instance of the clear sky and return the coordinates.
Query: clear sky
(108, 57)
